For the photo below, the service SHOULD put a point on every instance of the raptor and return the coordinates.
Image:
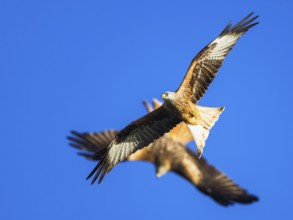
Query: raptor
(179, 106)
(170, 154)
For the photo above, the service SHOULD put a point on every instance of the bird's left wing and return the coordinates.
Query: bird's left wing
(206, 64)
(135, 136)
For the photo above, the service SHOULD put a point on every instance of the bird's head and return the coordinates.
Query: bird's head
(168, 96)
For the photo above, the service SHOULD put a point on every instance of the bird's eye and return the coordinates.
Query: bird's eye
(167, 94)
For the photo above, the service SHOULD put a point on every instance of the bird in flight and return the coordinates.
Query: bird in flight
(178, 106)
(170, 153)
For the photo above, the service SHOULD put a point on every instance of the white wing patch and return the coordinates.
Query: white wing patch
(223, 45)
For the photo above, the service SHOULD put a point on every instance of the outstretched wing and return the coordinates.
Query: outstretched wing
(211, 181)
(206, 64)
(96, 142)
(204, 176)
(135, 136)
(93, 142)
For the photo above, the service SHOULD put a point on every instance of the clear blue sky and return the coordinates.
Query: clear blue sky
(87, 65)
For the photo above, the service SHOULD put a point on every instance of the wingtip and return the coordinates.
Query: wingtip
(155, 100)
(254, 198)
(144, 102)
(246, 198)
(242, 26)
(74, 132)
(92, 182)
(147, 106)
(100, 170)
(156, 103)
(89, 176)
(250, 14)
(93, 171)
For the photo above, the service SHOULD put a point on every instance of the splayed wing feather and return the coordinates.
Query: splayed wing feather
(93, 142)
(135, 136)
(206, 64)
(148, 107)
(156, 103)
(184, 162)
(145, 130)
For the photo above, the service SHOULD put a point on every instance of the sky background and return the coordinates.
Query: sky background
(87, 66)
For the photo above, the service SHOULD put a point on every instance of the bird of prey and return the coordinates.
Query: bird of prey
(169, 153)
(179, 106)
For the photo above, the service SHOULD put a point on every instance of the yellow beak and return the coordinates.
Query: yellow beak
(163, 96)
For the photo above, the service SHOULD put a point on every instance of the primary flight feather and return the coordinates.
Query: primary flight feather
(179, 106)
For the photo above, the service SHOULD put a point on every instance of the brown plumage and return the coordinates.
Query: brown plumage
(169, 153)
(178, 106)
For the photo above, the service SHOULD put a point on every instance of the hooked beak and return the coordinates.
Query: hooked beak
(163, 96)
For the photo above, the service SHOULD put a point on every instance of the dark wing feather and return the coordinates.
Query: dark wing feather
(93, 142)
(135, 136)
(212, 182)
(206, 64)
(205, 177)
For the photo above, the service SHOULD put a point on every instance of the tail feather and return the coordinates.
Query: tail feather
(200, 132)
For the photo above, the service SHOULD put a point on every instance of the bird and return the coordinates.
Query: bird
(178, 106)
(170, 153)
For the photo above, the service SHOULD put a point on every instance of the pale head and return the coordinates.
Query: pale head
(168, 96)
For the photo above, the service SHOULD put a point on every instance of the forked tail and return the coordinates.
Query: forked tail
(200, 132)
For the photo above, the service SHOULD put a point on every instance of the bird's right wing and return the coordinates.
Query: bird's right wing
(212, 182)
(135, 136)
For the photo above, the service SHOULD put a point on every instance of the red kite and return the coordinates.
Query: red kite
(179, 106)
(169, 153)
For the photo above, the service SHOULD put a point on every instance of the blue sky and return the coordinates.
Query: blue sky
(87, 66)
